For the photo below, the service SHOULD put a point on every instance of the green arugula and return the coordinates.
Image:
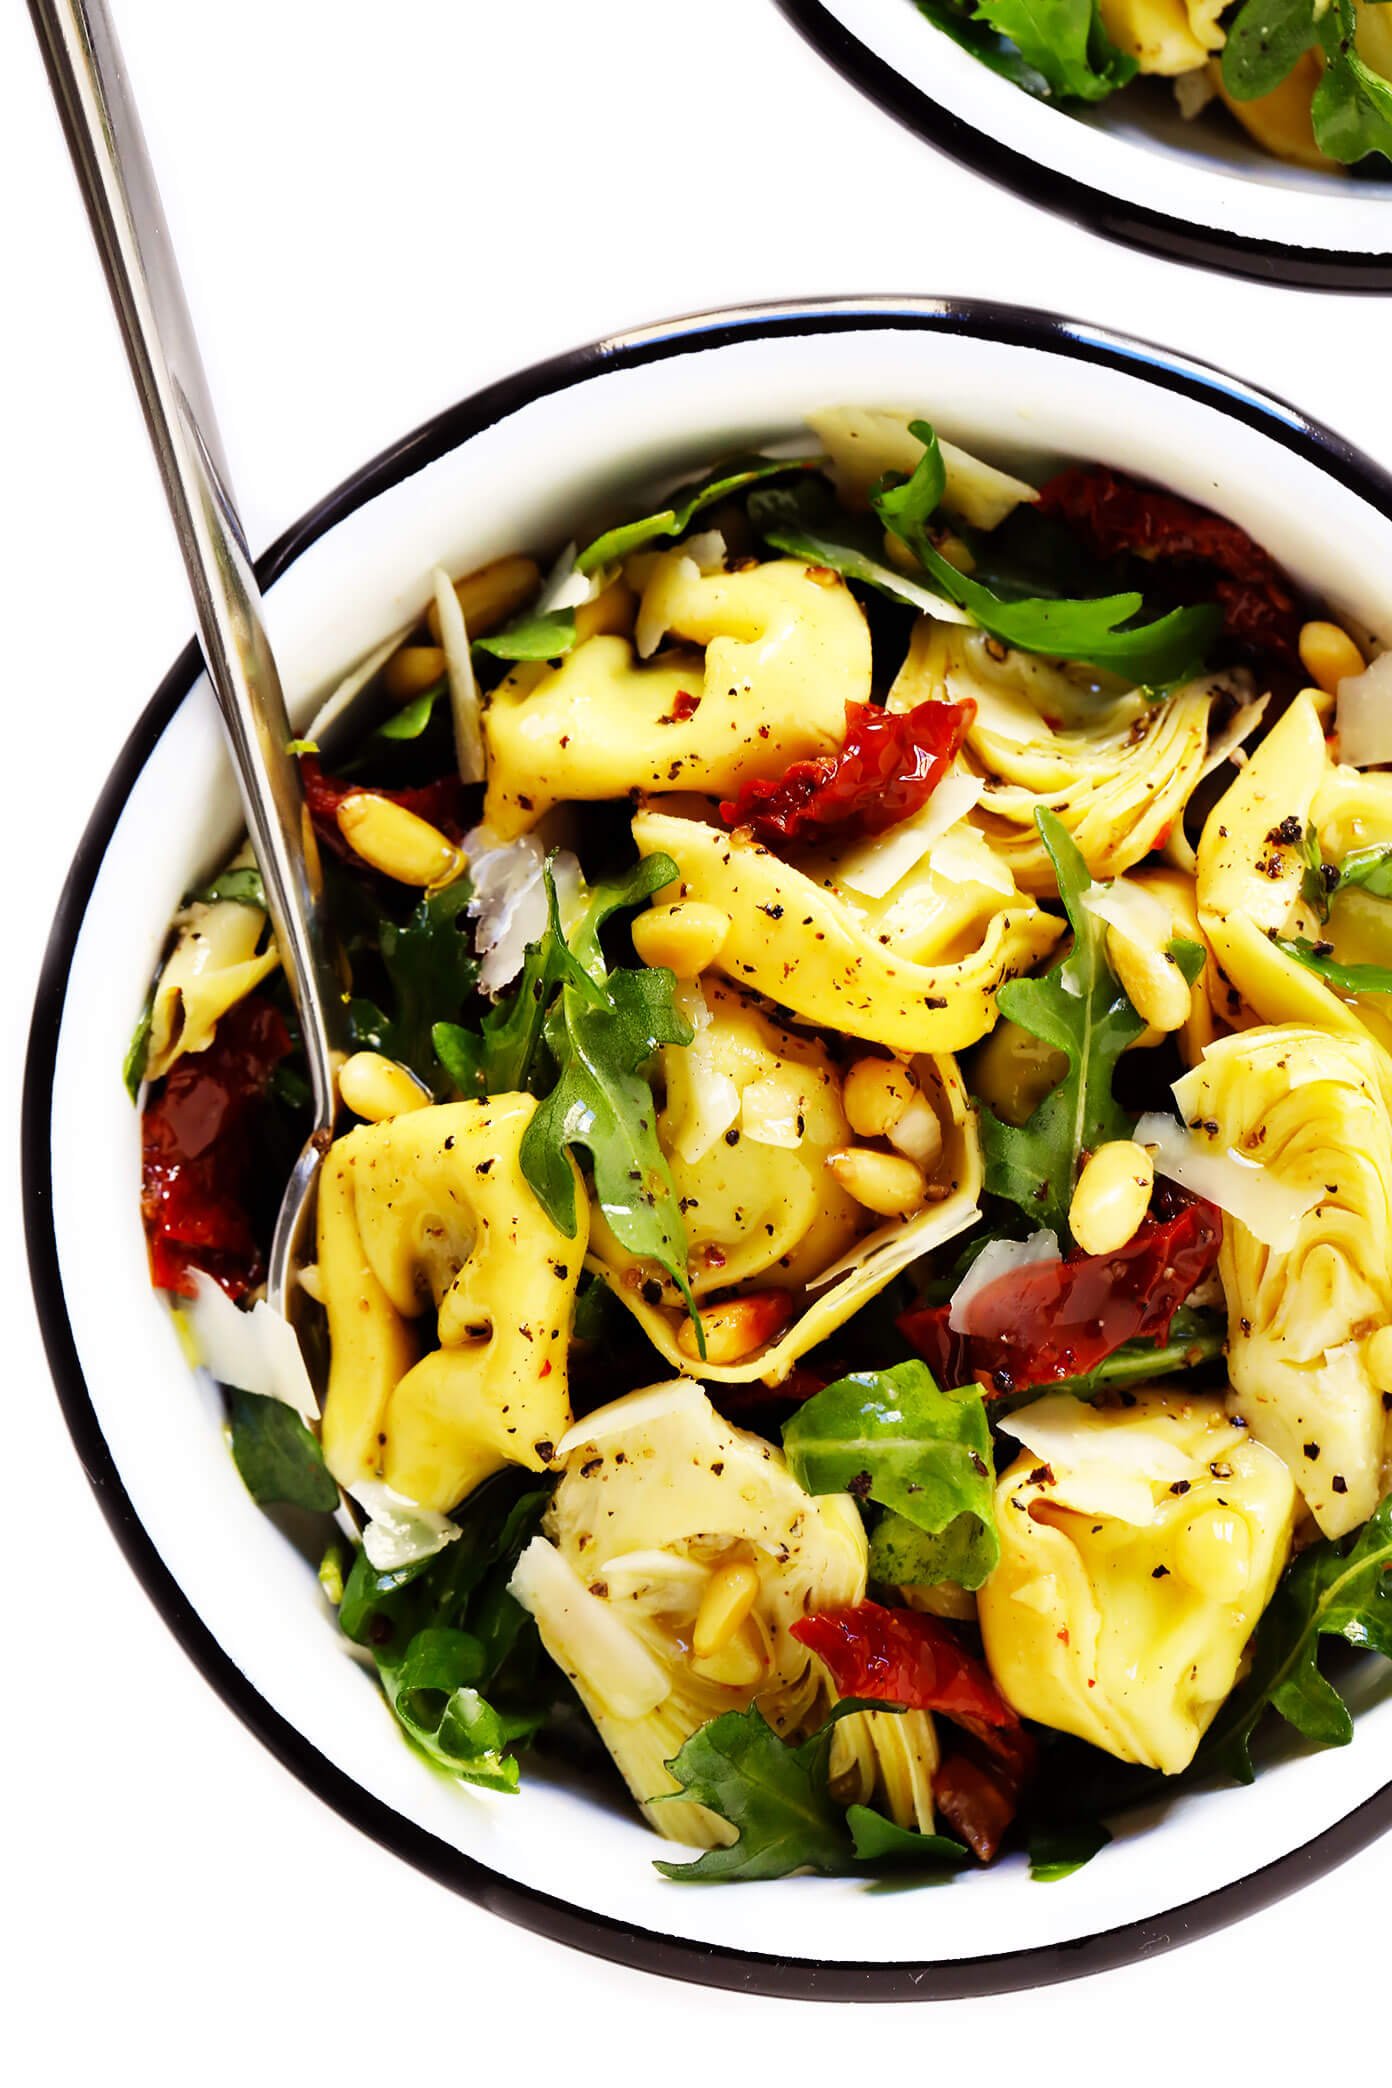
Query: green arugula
(1196, 1337)
(1056, 1851)
(278, 1458)
(1267, 39)
(1367, 869)
(1339, 1589)
(446, 1629)
(684, 505)
(411, 720)
(774, 1793)
(796, 521)
(1064, 41)
(993, 51)
(892, 1437)
(532, 636)
(1352, 107)
(430, 965)
(878, 1840)
(1080, 1009)
(242, 885)
(1167, 650)
(138, 1050)
(1348, 978)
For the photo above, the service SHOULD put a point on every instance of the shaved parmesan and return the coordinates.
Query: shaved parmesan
(465, 707)
(1099, 1467)
(585, 1636)
(507, 904)
(1240, 726)
(635, 1414)
(1132, 911)
(1363, 715)
(715, 1106)
(892, 1247)
(398, 1532)
(1269, 1209)
(707, 550)
(339, 698)
(254, 1351)
(997, 1258)
(563, 587)
(771, 1112)
(882, 862)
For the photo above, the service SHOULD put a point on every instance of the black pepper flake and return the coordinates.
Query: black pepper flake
(1180, 1486)
(1160, 1573)
(732, 1137)
(1312, 1451)
(1339, 1483)
(652, 1291)
(483, 1167)
(859, 1486)
(1042, 1475)
(591, 1466)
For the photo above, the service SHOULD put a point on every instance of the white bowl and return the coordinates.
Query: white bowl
(1130, 168)
(512, 466)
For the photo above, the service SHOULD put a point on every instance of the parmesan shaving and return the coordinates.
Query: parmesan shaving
(882, 862)
(398, 1532)
(584, 1634)
(892, 1247)
(341, 696)
(1240, 726)
(1097, 1467)
(771, 1112)
(1363, 715)
(563, 587)
(1132, 911)
(997, 1258)
(465, 707)
(254, 1351)
(1269, 1209)
(633, 1415)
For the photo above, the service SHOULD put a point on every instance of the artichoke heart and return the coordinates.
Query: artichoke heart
(222, 954)
(431, 1209)
(785, 652)
(662, 1506)
(752, 1112)
(1138, 1549)
(1310, 1107)
(915, 968)
(1115, 767)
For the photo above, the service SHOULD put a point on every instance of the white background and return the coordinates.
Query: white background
(379, 207)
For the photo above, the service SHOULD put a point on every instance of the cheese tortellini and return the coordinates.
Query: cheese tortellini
(786, 645)
(431, 1211)
(223, 953)
(1138, 1550)
(1302, 1317)
(675, 1556)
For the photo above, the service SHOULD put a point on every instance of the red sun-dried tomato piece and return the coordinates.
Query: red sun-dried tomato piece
(196, 1154)
(888, 767)
(902, 1657)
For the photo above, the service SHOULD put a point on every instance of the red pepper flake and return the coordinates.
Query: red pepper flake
(1113, 513)
(197, 1154)
(684, 706)
(888, 767)
(1051, 1320)
(440, 803)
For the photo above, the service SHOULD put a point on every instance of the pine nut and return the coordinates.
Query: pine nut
(1378, 1358)
(686, 937)
(876, 1094)
(396, 842)
(491, 595)
(918, 1134)
(735, 1329)
(376, 1088)
(884, 1182)
(731, 1593)
(1214, 1553)
(1152, 981)
(739, 1664)
(413, 670)
(1329, 655)
(1112, 1196)
(610, 614)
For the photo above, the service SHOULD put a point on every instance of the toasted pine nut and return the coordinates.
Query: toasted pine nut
(1378, 1358)
(1214, 1552)
(1111, 1197)
(883, 1182)
(686, 937)
(609, 614)
(311, 1283)
(396, 842)
(376, 1088)
(1154, 984)
(491, 595)
(1329, 655)
(731, 1593)
(735, 1329)
(875, 1096)
(413, 670)
(739, 1664)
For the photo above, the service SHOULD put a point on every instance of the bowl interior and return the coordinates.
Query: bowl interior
(1024, 393)
(1134, 147)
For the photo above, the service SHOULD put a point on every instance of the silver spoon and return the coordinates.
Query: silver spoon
(89, 83)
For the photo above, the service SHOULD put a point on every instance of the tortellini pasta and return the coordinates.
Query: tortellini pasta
(786, 645)
(751, 1115)
(223, 953)
(1165, 36)
(431, 1210)
(1139, 1547)
(659, 1499)
(914, 967)
(1301, 1317)
(1115, 766)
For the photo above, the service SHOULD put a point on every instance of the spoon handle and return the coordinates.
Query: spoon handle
(89, 82)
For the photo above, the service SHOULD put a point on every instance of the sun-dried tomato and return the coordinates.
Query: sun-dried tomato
(977, 1793)
(1112, 513)
(890, 765)
(197, 1154)
(440, 802)
(1050, 1320)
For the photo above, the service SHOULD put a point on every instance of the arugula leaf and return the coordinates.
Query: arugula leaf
(774, 1793)
(973, 35)
(903, 1556)
(1369, 869)
(891, 1436)
(1267, 39)
(1342, 1590)
(138, 1050)
(429, 962)
(1352, 108)
(411, 720)
(684, 505)
(278, 1458)
(446, 1628)
(532, 637)
(790, 521)
(1196, 1337)
(878, 1840)
(1080, 1009)
(1190, 957)
(1168, 650)
(242, 885)
(1057, 1851)
(1319, 958)
(1065, 41)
